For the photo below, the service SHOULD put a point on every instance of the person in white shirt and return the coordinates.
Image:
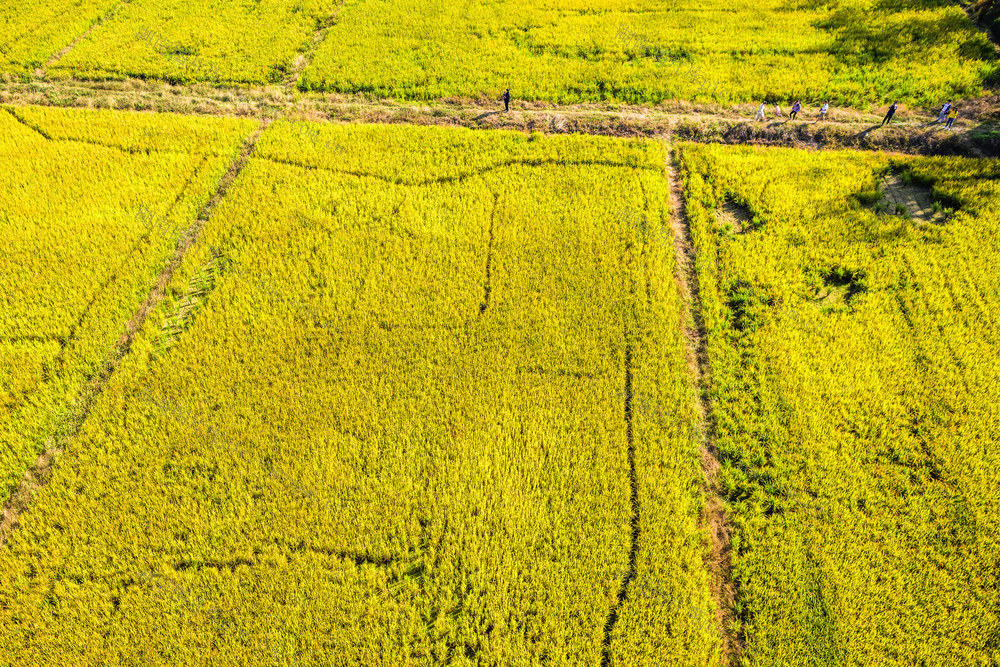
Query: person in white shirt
(760, 111)
(824, 109)
(777, 111)
(944, 111)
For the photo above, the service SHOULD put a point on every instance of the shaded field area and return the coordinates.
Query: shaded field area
(419, 398)
(854, 398)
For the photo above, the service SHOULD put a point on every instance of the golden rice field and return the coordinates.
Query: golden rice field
(432, 396)
(854, 393)
(857, 53)
(399, 429)
(77, 259)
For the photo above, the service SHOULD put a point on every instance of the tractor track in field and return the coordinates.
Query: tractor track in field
(633, 555)
(66, 49)
(304, 57)
(635, 532)
(39, 473)
(714, 518)
(488, 283)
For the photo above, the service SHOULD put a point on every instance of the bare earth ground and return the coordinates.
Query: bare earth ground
(917, 200)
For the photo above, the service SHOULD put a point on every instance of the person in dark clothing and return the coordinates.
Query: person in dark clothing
(889, 114)
(506, 100)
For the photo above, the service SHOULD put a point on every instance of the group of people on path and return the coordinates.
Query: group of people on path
(796, 108)
(947, 111)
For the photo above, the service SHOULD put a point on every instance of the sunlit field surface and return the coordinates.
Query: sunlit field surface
(430, 406)
(855, 393)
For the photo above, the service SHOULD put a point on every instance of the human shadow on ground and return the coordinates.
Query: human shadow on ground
(864, 133)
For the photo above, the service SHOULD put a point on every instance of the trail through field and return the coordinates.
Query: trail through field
(708, 123)
(38, 474)
(633, 555)
(714, 518)
(303, 59)
(69, 47)
(488, 283)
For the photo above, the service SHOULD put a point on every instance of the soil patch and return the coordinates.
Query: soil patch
(839, 287)
(735, 217)
(902, 196)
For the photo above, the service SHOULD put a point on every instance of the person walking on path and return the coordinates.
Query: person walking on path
(760, 111)
(944, 111)
(777, 111)
(506, 100)
(889, 114)
(952, 115)
(823, 109)
(796, 108)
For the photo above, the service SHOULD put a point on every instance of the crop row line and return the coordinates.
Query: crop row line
(544, 162)
(635, 533)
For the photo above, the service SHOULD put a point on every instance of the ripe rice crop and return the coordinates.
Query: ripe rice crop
(443, 474)
(859, 438)
(856, 53)
(182, 41)
(34, 30)
(77, 262)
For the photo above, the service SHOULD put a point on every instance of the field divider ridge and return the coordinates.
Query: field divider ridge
(39, 473)
(913, 132)
(714, 517)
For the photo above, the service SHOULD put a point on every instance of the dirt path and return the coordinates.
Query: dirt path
(712, 123)
(38, 474)
(714, 518)
(303, 59)
(66, 49)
